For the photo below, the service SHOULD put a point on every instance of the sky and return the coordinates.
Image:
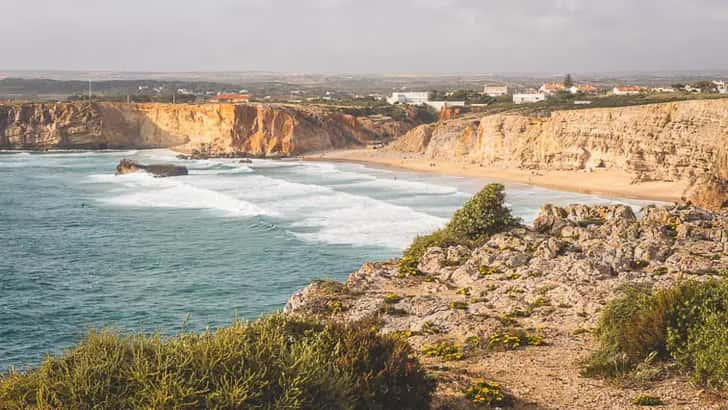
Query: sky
(365, 36)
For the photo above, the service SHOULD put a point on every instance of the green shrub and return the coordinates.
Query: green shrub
(483, 215)
(513, 340)
(459, 305)
(275, 362)
(687, 323)
(647, 400)
(392, 298)
(407, 266)
(410, 258)
(486, 393)
(443, 350)
(484, 271)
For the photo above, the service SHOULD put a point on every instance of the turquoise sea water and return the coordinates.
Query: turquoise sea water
(83, 248)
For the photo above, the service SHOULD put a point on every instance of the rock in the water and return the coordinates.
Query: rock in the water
(127, 166)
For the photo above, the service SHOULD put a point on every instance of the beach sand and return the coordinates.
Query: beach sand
(603, 182)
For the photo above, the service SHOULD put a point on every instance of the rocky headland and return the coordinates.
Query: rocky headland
(520, 309)
(212, 129)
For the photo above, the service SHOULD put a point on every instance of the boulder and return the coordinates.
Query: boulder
(127, 166)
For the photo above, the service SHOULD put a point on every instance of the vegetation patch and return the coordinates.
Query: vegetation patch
(662, 270)
(483, 215)
(459, 305)
(464, 291)
(685, 323)
(275, 362)
(487, 393)
(513, 340)
(484, 271)
(335, 306)
(392, 298)
(443, 350)
(407, 266)
(647, 400)
(430, 328)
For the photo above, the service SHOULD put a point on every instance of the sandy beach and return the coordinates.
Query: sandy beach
(603, 182)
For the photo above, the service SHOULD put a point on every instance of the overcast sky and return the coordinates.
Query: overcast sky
(364, 36)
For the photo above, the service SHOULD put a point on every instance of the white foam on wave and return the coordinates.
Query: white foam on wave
(143, 190)
(235, 170)
(406, 186)
(325, 215)
(368, 223)
(10, 154)
(100, 153)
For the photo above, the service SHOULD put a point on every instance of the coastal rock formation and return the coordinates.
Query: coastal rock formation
(551, 280)
(37, 126)
(683, 140)
(127, 166)
(215, 129)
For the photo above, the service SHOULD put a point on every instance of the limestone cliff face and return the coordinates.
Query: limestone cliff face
(217, 128)
(671, 141)
(50, 125)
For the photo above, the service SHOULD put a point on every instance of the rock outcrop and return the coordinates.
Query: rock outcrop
(127, 166)
(551, 280)
(684, 140)
(215, 129)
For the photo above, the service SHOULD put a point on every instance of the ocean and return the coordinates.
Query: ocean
(82, 248)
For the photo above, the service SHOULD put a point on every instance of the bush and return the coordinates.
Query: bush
(443, 350)
(687, 323)
(487, 393)
(419, 246)
(647, 400)
(513, 340)
(275, 362)
(483, 215)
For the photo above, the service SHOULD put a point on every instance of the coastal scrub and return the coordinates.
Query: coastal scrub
(684, 323)
(274, 362)
(483, 215)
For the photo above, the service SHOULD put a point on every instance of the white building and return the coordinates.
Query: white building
(721, 87)
(438, 105)
(528, 98)
(495, 90)
(551, 88)
(689, 88)
(582, 88)
(663, 90)
(411, 98)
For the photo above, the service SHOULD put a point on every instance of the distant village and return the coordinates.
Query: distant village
(581, 94)
(554, 89)
(470, 94)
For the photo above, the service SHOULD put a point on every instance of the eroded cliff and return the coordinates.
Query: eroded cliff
(662, 142)
(216, 128)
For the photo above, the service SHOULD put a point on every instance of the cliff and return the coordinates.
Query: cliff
(661, 142)
(542, 288)
(216, 128)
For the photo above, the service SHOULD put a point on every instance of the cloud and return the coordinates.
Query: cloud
(358, 36)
